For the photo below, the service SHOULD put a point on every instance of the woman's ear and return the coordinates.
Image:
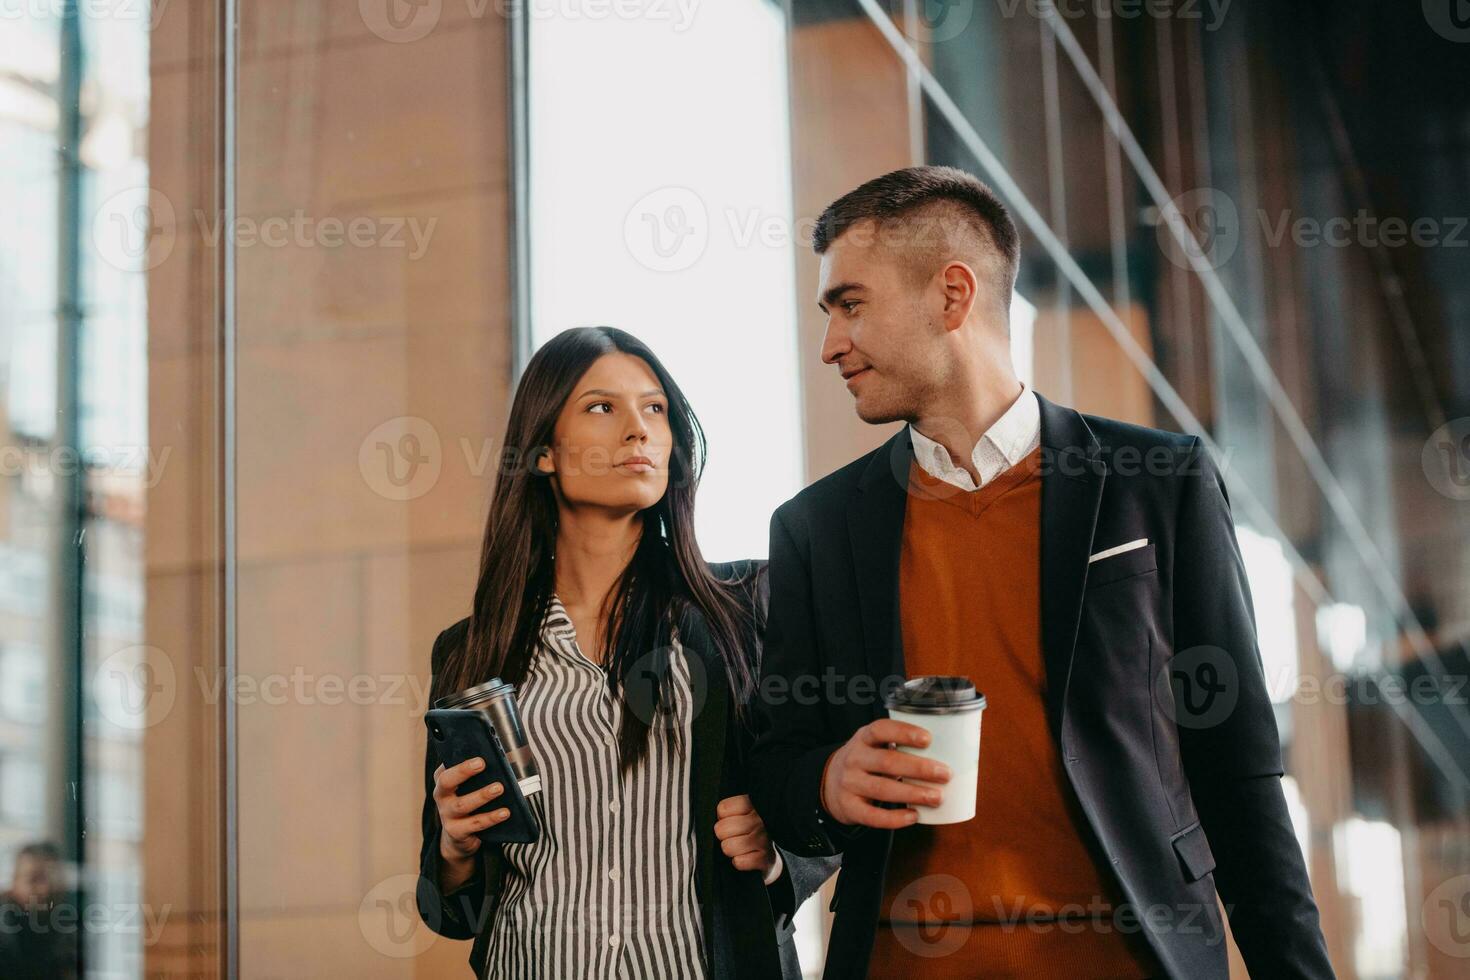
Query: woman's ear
(541, 462)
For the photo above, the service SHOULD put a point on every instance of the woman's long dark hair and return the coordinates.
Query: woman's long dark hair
(666, 573)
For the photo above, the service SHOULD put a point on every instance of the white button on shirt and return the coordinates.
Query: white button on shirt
(1011, 439)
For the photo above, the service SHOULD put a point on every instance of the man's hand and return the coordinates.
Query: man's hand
(866, 770)
(742, 836)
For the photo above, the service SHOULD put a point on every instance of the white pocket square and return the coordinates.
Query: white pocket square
(1120, 549)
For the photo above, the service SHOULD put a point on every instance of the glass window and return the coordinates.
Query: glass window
(660, 203)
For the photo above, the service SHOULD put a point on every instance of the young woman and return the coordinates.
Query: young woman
(634, 662)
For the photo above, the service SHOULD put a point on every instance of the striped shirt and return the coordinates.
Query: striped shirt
(608, 889)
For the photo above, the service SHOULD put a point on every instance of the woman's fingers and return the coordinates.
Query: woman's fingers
(733, 806)
(756, 843)
(465, 828)
(470, 802)
(446, 781)
(734, 826)
(751, 861)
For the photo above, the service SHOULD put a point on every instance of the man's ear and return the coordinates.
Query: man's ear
(961, 288)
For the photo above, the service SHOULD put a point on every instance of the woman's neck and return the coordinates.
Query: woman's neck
(593, 547)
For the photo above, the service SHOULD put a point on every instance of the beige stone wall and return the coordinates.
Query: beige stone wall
(350, 561)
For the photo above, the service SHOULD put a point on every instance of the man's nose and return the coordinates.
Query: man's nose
(834, 342)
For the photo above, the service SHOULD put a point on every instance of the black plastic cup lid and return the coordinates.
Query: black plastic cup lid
(935, 696)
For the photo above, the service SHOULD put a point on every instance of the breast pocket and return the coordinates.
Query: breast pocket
(1123, 565)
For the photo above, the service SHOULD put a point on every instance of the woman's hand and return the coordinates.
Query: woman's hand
(457, 817)
(742, 836)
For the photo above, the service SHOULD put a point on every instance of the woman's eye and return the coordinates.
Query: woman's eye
(597, 405)
(657, 408)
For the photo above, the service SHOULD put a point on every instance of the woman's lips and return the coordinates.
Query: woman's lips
(639, 465)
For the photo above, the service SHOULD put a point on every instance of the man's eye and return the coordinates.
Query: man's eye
(847, 305)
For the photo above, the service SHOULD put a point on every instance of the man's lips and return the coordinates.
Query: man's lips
(849, 375)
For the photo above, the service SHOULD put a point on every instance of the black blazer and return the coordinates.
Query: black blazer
(741, 917)
(1181, 795)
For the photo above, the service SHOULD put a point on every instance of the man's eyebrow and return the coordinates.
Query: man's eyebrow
(613, 394)
(835, 293)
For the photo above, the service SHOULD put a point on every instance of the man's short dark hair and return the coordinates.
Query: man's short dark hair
(41, 851)
(929, 215)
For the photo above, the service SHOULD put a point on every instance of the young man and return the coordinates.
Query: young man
(1084, 573)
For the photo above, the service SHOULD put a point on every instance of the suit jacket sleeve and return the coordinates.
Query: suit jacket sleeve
(795, 737)
(801, 876)
(460, 913)
(1230, 747)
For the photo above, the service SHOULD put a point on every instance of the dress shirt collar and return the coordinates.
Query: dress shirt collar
(1004, 444)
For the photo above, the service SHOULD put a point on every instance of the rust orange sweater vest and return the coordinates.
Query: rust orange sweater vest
(970, 604)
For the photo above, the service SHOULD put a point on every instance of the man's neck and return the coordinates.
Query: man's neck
(958, 423)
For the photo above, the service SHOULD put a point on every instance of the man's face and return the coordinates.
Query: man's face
(34, 877)
(882, 334)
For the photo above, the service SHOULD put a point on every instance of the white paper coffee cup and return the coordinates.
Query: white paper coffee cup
(950, 709)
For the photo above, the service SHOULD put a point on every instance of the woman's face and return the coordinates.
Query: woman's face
(612, 440)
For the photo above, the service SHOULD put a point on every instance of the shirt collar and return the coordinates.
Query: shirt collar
(1013, 435)
(557, 623)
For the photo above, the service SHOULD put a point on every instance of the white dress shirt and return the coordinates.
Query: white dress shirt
(1011, 439)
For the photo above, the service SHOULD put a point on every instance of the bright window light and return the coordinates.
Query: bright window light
(1342, 630)
(1370, 860)
(661, 203)
(1272, 590)
(1023, 338)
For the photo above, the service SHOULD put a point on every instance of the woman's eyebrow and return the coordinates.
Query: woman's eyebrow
(603, 392)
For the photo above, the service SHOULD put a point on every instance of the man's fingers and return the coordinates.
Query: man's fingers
(870, 787)
(891, 762)
(867, 815)
(886, 730)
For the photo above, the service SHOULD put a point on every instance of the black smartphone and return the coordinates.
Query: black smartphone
(459, 734)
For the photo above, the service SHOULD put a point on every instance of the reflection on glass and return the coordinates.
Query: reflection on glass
(73, 433)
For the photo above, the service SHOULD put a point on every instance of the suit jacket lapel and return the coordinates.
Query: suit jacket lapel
(1072, 479)
(875, 528)
(707, 750)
